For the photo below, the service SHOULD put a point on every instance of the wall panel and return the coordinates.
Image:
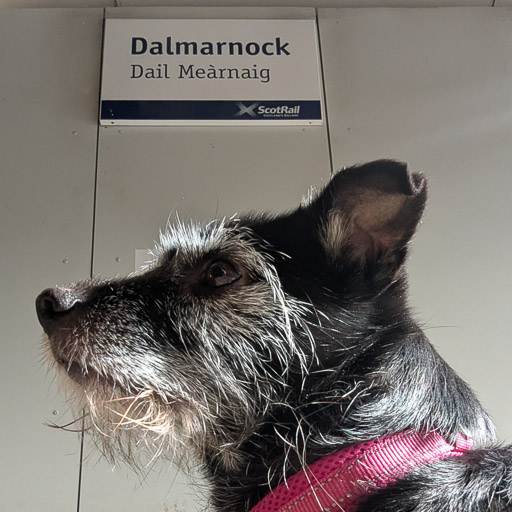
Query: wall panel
(432, 87)
(147, 175)
(49, 61)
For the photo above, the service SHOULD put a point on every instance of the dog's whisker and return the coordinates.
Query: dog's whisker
(67, 425)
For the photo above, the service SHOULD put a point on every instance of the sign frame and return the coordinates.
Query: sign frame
(179, 72)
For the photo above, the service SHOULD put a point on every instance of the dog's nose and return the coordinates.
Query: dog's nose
(53, 304)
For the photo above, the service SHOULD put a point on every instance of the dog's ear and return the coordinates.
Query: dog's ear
(368, 213)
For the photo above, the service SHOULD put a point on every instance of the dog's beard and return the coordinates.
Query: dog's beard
(132, 427)
(140, 425)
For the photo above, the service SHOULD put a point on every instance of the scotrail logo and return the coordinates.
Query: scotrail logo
(244, 110)
(257, 110)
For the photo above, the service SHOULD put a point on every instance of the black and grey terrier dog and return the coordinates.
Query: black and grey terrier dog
(279, 351)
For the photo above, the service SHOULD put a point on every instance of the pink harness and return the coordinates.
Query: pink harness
(343, 480)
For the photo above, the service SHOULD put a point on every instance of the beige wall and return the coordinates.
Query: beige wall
(428, 86)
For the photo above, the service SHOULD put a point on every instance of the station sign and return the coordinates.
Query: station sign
(179, 72)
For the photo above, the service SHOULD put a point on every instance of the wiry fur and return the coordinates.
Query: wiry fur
(311, 348)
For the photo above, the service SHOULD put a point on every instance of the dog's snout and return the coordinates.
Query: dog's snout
(54, 303)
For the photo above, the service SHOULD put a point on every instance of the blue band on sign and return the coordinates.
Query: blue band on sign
(209, 110)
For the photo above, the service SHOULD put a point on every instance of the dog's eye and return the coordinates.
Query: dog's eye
(220, 273)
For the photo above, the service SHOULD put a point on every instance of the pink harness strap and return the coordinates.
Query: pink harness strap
(342, 480)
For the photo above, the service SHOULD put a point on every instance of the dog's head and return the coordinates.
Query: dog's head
(239, 319)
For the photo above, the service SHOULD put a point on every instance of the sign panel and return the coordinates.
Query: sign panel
(210, 72)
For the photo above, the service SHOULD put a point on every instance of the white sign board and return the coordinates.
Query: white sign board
(210, 72)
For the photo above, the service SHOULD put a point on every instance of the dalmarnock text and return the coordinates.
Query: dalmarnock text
(169, 46)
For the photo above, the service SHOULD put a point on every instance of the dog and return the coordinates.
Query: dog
(279, 352)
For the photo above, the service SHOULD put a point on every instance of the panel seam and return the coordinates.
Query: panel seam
(98, 126)
(93, 236)
(324, 93)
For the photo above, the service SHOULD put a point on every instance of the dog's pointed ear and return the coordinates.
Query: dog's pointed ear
(369, 213)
